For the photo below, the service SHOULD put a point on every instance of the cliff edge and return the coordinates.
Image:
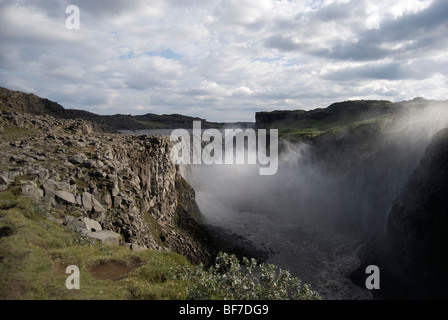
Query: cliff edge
(123, 184)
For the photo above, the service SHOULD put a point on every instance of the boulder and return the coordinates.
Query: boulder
(87, 201)
(89, 164)
(137, 248)
(4, 181)
(31, 190)
(107, 200)
(84, 224)
(43, 174)
(50, 186)
(106, 236)
(92, 225)
(97, 207)
(65, 197)
(109, 155)
(77, 158)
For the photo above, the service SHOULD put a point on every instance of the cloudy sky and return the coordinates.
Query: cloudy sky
(223, 60)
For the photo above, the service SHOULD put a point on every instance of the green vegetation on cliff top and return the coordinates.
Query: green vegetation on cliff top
(337, 118)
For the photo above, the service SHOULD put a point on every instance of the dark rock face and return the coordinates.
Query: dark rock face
(413, 255)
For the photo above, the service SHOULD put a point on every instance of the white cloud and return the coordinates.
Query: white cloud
(244, 11)
(225, 59)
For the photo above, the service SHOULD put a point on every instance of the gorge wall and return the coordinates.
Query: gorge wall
(412, 252)
(381, 183)
(126, 183)
(341, 189)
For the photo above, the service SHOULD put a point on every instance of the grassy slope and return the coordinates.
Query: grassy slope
(313, 128)
(35, 250)
(336, 118)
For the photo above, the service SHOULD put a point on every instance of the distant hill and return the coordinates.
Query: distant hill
(27, 102)
(337, 117)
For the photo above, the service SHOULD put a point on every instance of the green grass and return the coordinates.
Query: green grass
(35, 250)
(154, 228)
(16, 133)
(153, 124)
(27, 177)
(314, 128)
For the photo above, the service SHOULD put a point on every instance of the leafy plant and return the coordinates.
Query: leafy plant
(230, 280)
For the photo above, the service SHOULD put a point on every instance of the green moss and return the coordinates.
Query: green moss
(186, 196)
(35, 251)
(314, 128)
(154, 228)
(16, 131)
(27, 177)
(17, 134)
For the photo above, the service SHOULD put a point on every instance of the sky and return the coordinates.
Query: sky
(223, 60)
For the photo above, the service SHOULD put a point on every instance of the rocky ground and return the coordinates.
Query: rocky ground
(119, 189)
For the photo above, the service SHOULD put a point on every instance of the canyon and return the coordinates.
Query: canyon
(359, 183)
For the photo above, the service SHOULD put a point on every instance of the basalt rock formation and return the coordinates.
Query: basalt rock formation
(125, 185)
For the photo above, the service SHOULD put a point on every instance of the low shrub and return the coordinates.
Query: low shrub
(229, 279)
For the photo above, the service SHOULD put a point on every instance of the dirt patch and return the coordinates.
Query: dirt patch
(60, 267)
(13, 290)
(113, 270)
(5, 232)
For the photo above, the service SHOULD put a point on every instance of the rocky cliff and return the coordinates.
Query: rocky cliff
(122, 185)
(412, 254)
(17, 101)
(359, 110)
